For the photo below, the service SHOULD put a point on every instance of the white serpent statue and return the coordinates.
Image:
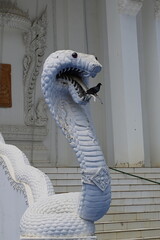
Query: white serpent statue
(70, 215)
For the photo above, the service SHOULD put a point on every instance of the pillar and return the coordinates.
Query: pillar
(151, 58)
(125, 83)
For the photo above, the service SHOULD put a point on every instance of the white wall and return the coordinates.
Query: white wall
(150, 84)
(13, 52)
(72, 24)
(128, 138)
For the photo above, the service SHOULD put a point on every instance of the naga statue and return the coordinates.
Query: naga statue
(65, 79)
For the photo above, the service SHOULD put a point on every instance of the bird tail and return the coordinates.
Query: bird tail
(96, 96)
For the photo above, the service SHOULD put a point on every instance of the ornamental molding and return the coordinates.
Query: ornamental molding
(157, 8)
(23, 133)
(36, 116)
(13, 17)
(37, 147)
(29, 139)
(34, 36)
(35, 44)
(129, 7)
(99, 178)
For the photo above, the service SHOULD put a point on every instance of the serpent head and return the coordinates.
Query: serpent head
(69, 71)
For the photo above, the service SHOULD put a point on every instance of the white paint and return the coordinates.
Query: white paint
(12, 207)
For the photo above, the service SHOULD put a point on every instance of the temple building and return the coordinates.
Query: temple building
(124, 35)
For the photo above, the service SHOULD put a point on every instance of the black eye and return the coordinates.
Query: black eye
(96, 58)
(75, 55)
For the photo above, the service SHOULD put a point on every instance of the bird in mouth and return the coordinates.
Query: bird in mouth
(76, 78)
(93, 92)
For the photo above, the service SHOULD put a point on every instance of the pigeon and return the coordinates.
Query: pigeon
(93, 92)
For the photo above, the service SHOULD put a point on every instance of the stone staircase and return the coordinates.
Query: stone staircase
(135, 209)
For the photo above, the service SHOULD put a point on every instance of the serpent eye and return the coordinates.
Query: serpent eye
(96, 58)
(74, 55)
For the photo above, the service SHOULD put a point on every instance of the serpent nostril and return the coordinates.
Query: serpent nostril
(96, 68)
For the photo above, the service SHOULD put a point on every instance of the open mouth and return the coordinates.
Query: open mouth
(76, 79)
(75, 76)
(77, 82)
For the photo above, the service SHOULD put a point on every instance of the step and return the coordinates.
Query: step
(135, 193)
(125, 225)
(132, 201)
(67, 182)
(66, 179)
(133, 187)
(132, 233)
(119, 191)
(130, 216)
(150, 173)
(74, 173)
(152, 176)
(66, 176)
(131, 181)
(134, 208)
(62, 182)
(137, 170)
(60, 170)
(146, 238)
(72, 176)
(65, 189)
(117, 188)
(75, 169)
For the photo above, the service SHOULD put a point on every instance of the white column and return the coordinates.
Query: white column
(125, 83)
(151, 53)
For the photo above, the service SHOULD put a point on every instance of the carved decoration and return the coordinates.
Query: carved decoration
(29, 139)
(100, 178)
(35, 43)
(13, 17)
(23, 133)
(5, 85)
(157, 8)
(130, 7)
(37, 116)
